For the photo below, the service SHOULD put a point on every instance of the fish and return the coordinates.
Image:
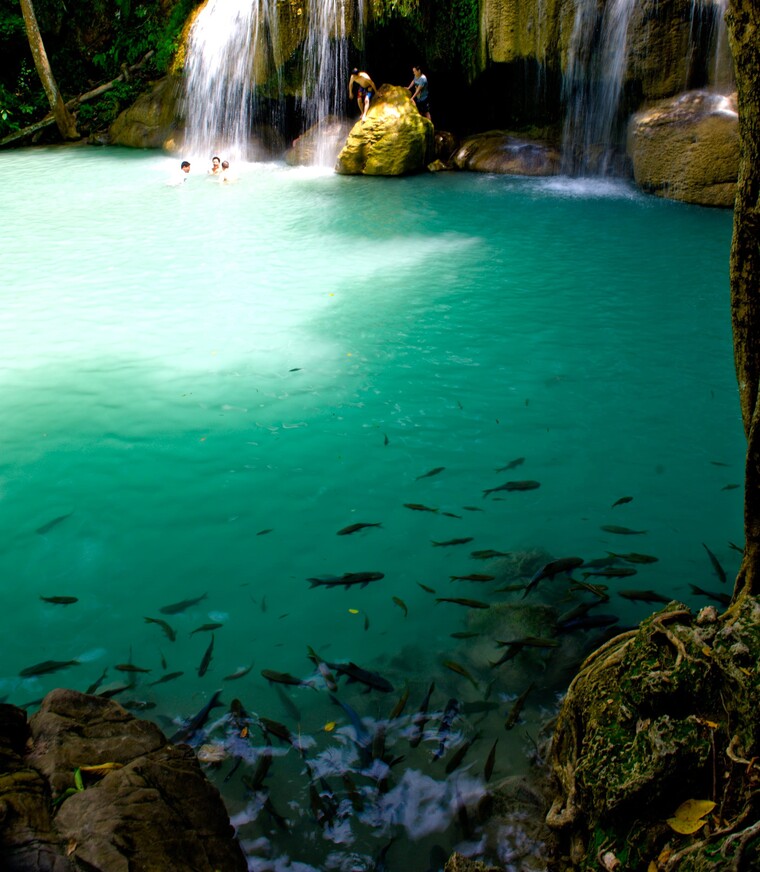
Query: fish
(516, 646)
(587, 622)
(176, 608)
(264, 532)
(366, 622)
(599, 590)
(130, 667)
(111, 692)
(549, 570)
(98, 681)
(460, 601)
(60, 600)
(163, 660)
(238, 673)
(622, 501)
(513, 464)
(577, 612)
(719, 570)
(206, 628)
(460, 670)
(462, 541)
(723, 598)
(400, 705)
(510, 588)
(725, 487)
(171, 676)
(634, 557)
(621, 531)
(276, 729)
(431, 473)
(352, 673)
(458, 756)
(46, 528)
(206, 659)
(263, 605)
(401, 604)
(513, 486)
(263, 765)
(451, 515)
(197, 721)
(610, 572)
(346, 580)
(420, 718)
(279, 820)
(169, 631)
(464, 634)
(645, 596)
(287, 703)
(488, 553)
(353, 528)
(138, 705)
(515, 711)
(450, 714)
(490, 761)
(473, 576)
(418, 507)
(322, 668)
(719, 463)
(472, 508)
(425, 587)
(284, 678)
(736, 547)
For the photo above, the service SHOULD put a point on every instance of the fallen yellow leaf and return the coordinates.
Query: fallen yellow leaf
(354, 611)
(329, 727)
(689, 816)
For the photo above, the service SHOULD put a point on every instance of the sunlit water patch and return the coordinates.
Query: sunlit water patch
(203, 383)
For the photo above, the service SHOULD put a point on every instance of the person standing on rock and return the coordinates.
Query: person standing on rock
(366, 92)
(419, 88)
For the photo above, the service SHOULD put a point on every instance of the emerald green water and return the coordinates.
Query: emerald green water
(184, 368)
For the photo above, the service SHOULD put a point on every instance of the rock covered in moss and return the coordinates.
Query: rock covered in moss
(687, 148)
(151, 120)
(393, 140)
(498, 151)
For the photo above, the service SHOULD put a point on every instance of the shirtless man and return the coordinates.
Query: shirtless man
(366, 91)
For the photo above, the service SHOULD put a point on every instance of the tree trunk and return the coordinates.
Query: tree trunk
(744, 33)
(63, 118)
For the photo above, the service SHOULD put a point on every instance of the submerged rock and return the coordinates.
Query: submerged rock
(500, 152)
(393, 140)
(687, 149)
(151, 807)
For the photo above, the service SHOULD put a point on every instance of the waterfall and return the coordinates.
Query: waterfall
(220, 74)
(709, 31)
(592, 85)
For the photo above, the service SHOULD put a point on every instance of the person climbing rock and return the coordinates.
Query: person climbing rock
(419, 88)
(366, 90)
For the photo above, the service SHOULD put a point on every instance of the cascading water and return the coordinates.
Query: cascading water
(220, 74)
(592, 85)
(708, 28)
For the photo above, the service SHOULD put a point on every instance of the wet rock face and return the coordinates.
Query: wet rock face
(499, 152)
(393, 140)
(151, 120)
(152, 808)
(687, 149)
(326, 137)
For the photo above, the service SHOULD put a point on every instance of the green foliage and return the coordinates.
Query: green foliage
(385, 11)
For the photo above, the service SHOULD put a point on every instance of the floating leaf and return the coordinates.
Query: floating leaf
(329, 727)
(354, 611)
(689, 816)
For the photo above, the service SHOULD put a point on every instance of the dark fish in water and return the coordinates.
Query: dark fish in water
(284, 678)
(515, 711)
(736, 547)
(578, 611)
(263, 765)
(366, 622)
(719, 570)
(587, 622)
(463, 541)
(634, 557)
(418, 507)
(425, 587)
(206, 628)
(610, 572)
(362, 738)
(599, 590)
(600, 562)
(130, 667)
(726, 487)
(278, 819)
(176, 608)
(458, 756)
(263, 604)
(111, 692)
(322, 668)
(450, 714)
(464, 634)
(60, 600)
(401, 604)
(622, 501)
(138, 705)
(164, 678)
(346, 580)
(718, 463)
(472, 508)
(276, 729)
(513, 486)
(353, 794)
(488, 553)
(431, 473)
(461, 601)
(98, 681)
(163, 660)
(206, 660)
(513, 464)
(473, 576)
(353, 528)
(510, 588)
(386, 440)
(460, 670)
(451, 515)
(264, 532)
(168, 631)
(239, 673)
(352, 673)
(622, 531)
(400, 705)
(196, 723)
(516, 646)
(723, 598)
(420, 718)
(490, 761)
(550, 570)
(645, 596)
(46, 528)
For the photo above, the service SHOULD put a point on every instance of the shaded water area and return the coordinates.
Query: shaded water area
(203, 384)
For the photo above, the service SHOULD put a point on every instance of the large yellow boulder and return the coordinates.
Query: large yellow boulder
(393, 140)
(687, 148)
(151, 120)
